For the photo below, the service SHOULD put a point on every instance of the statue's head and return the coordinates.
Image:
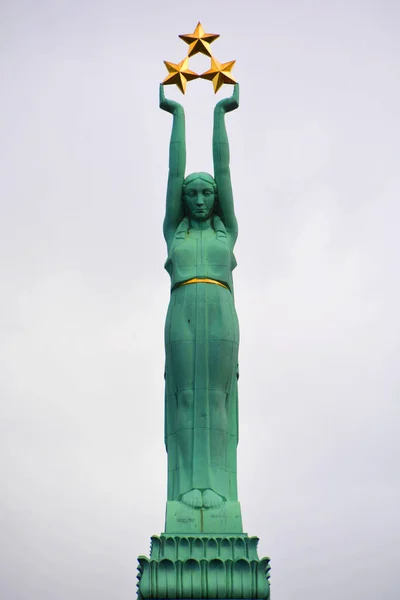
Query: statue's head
(199, 196)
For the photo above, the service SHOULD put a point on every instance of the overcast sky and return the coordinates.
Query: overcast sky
(315, 167)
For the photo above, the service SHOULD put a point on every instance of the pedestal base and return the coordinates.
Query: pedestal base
(203, 566)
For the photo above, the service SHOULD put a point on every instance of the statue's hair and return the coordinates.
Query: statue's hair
(201, 175)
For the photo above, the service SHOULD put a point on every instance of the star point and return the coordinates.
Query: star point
(179, 74)
(219, 73)
(199, 41)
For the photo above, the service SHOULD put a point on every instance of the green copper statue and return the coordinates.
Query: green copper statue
(201, 330)
(203, 551)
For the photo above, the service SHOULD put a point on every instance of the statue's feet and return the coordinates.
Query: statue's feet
(193, 499)
(212, 499)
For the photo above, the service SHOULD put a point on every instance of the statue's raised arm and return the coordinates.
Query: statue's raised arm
(177, 164)
(222, 171)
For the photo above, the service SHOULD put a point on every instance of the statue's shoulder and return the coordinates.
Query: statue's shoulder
(223, 234)
(174, 236)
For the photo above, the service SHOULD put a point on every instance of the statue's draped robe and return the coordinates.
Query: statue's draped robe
(201, 345)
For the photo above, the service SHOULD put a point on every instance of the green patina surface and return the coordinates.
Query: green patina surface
(201, 329)
(203, 567)
(203, 552)
(225, 519)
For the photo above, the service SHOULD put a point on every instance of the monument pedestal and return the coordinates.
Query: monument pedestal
(203, 566)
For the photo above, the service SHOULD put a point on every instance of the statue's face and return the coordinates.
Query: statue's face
(199, 197)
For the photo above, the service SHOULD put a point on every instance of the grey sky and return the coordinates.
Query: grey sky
(315, 164)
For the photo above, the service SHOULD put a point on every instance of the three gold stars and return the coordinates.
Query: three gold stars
(199, 42)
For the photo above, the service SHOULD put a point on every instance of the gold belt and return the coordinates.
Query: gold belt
(204, 280)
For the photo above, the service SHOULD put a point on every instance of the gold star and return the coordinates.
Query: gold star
(179, 74)
(219, 73)
(199, 41)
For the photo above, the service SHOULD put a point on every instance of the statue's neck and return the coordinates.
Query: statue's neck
(200, 225)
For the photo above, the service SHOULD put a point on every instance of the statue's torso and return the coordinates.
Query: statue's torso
(200, 253)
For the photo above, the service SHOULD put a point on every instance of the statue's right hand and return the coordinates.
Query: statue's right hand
(169, 105)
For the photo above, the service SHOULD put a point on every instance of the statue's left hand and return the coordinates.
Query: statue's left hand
(231, 103)
(169, 105)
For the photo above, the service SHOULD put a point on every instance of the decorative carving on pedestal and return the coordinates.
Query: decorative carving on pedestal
(203, 567)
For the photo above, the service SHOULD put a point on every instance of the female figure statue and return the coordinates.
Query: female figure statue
(201, 330)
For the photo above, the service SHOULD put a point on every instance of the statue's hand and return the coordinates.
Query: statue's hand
(231, 103)
(169, 105)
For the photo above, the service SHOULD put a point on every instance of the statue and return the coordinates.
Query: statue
(203, 551)
(201, 329)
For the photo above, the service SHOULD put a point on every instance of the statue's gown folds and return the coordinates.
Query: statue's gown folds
(201, 344)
